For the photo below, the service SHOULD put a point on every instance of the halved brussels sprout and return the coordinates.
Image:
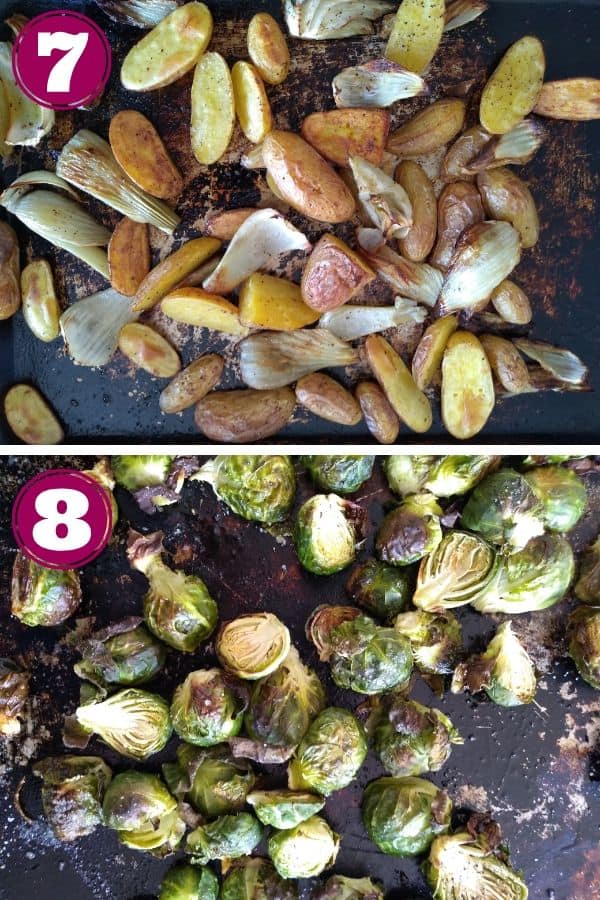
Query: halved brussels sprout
(321, 623)
(185, 882)
(330, 753)
(253, 646)
(137, 472)
(177, 608)
(413, 739)
(503, 508)
(211, 780)
(327, 532)
(283, 705)
(407, 474)
(208, 707)
(339, 887)
(402, 816)
(561, 493)
(339, 474)
(42, 596)
(381, 589)
(410, 532)
(451, 476)
(435, 640)
(14, 693)
(132, 722)
(284, 809)
(123, 654)
(584, 643)
(587, 588)
(143, 813)
(258, 488)
(256, 879)
(227, 837)
(504, 671)
(102, 473)
(72, 793)
(368, 658)
(461, 569)
(306, 850)
(534, 578)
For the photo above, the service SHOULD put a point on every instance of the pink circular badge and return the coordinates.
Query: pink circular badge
(62, 519)
(61, 59)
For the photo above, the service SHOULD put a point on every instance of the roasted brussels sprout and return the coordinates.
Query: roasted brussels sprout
(132, 722)
(503, 508)
(72, 793)
(584, 643)
(321, 623)
(452, 476)
(284, 809)
(102, 473)
(123, 654)
(471, 865)
(137, 472)
(339, 887)
(504, 671)
(402, 816)
(534, 578)
(412, 739)
(185, 882)
(143, 813)
(256, 879)
(587, 588)
(435, 640)
(208, 708)
(407, 474)
(462, 568)
(42, 596)
(339, 474)
(253, 646)
(306, 850)
(381, 589)
(561, 493)
(258, 488)
(14, 693)
(177, 608)
(227, 837)
(410, 532)
(327, 532)
(211, 780)
(283, 705)
(330, 753)
(368, 658)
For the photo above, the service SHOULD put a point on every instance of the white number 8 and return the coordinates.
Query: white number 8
(59, 79)
(78, 532)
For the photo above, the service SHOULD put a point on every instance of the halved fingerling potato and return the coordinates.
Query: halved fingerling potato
(192, 384)
(268, 49)
(246, 415)
(252, 105)
(173, 269)
(512, 303)
(514, 87)
(416, 33)
(430, 129)
(421, 236)
(149, 350)
(213, 109)
(459, 207)
(328, 399)
(30, 417)
(339, 134)
(10, 270)
(507, 363)
(41, 309)
(378, 413)
(408, 402)
(574, 99)
(170, 50)
(333, 274)
(139, 150)
(194, 306)
(430, 350)
(223, 225)
(507, 198)
(128, 256)
(467, 386)
(273, 303)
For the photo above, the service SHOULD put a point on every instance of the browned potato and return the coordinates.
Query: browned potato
(408, 402)
(507, 363)
(10, 270)
(41, 309)
(128, 256)
(379, 415)
(268, 49)
(508, 199)
(140, 152)
(420, 239)
(512, 303)
(30, 417)
(223, 225)
(430, 351)
(149, 350)
(334, 273)
(305, 180)
(459, 207)
(430, 129)
(172, 270)
(251, 102)
(463, 150)
(328, 399)
(192, 384)
(341, 133)
(514, 87)
(467, 386)
(246, 415)
(574, 99)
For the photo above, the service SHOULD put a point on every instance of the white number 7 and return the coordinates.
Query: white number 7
(59, 79)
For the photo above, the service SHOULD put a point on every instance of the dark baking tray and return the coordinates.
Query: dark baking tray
(117, 405)
(534, 767)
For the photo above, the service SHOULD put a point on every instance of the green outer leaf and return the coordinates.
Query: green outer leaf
(227, 837)
(284, 809)
(338, 474)
(258, 488)
(186, 882)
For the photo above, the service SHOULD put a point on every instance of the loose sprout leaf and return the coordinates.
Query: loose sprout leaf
(378, 83)
(321, 20)
(564, 364)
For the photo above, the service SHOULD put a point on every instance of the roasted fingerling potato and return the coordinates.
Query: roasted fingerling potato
(41, 309)
(574, 99)
(213, 109)
(149, 350)
(339, 134)
(507, 363)
(467, 386)
(172, 270)
(512, 303)
(430, 129)
(408, 402)
(514, 87)
(192, 384)
(139, 150)
(129, 256)
(274, 304)
(268, 49)
(378, 413)
(333, 275)
(427, 358)
(416, 33)
(30, 417)
(10, 270)
(245, 415)
(223, 225)
(251, 102)
(421, 236)
(197, 307)
(507, 198)
(328, 399)
(459, 207)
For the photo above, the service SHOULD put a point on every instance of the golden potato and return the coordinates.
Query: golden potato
(512, 303)
(467, 386)
(507, 198)
(252, 105)
(268, 49)
(328, 399)
(430, 129)
(140, 152)
(128, 256)
(574, 99)
(408, 402)
(149, 350)
(10, 269)
(30, 417)
(173, 269)
(333, 274)
(341, 133)
(41, 310)
(273, 303)
(416, 33)
(514, 87)
(459, 207)
(507, 363)
(421, 237)
(379, 415)
(428, 356)
(195, 306)
(213, 109)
